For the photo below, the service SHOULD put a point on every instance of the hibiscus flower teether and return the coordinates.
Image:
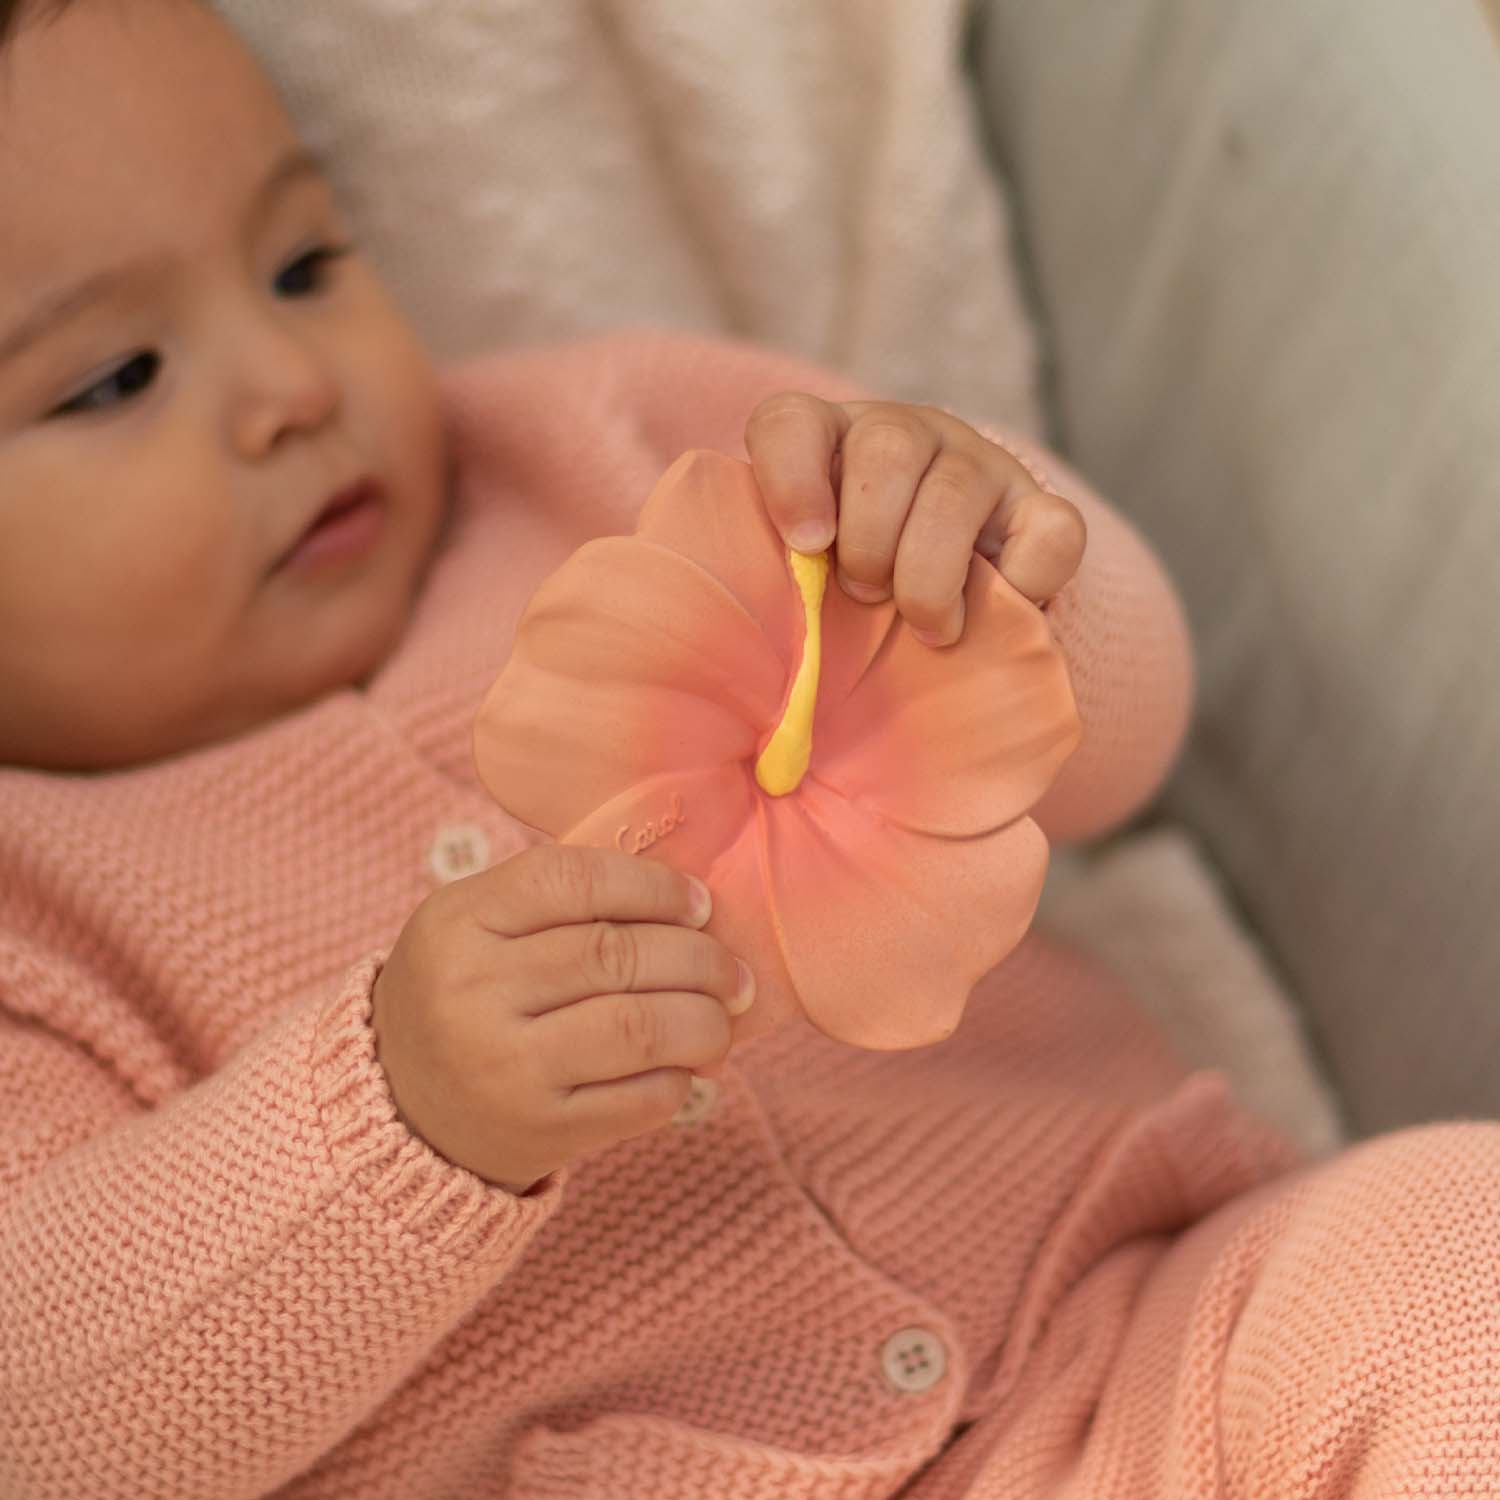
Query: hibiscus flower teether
(855, 800)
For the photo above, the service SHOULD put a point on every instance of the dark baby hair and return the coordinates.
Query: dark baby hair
(11, 11)
(16, 14)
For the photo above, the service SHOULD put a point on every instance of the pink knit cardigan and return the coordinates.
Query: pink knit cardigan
(228, 1270)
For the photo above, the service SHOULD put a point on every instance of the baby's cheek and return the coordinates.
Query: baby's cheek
(160, 615)
(188, 573)
(398, 409)
(419, 459)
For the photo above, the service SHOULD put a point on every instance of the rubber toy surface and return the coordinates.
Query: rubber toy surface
(855, 800)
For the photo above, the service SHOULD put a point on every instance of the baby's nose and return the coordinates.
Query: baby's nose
(284, 385)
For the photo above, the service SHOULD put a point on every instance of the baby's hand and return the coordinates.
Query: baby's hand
(550, 1006)
(912, 492)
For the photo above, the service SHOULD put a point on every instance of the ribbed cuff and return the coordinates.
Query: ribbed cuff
(443, 1205)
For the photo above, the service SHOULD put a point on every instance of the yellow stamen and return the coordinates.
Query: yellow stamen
(783, 762)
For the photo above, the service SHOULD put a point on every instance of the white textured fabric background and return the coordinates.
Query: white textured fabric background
(807, 175)
(812, 176)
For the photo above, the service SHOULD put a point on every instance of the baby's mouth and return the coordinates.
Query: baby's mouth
(347, 526)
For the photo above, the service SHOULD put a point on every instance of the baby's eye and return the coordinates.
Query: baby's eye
(306, 273)
(133, 376)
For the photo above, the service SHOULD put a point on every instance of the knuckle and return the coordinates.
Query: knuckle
(431, 915)
(889, 441)
(1055, 535)
(611, 955)
(640, 1027)
(433, 927)
(572, 878)
(954, 481)
(468, 912)
(783, 409)
(1065, 530)
(517, 1068)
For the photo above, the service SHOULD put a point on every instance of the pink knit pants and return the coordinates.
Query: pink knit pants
(1334, 1333)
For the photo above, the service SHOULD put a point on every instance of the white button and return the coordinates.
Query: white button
(913, 1359)
(699, 1104)
(459, 849)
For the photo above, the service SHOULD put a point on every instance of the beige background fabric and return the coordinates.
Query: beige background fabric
(1265, 235)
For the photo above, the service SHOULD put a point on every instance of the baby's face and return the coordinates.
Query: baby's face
(169, 434)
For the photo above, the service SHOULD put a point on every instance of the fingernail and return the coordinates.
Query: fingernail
(746, 997)
(703, 901)
(810, 536)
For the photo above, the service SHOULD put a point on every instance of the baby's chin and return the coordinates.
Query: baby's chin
(351, 662)
(295, 677)
(205, 687)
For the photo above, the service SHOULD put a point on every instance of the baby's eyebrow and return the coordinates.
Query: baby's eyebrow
(58, 307)
(297, 162)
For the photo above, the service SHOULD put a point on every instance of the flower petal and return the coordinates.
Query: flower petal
(884, 931)
(956, 741)
(853, 636)
(708, 507)
(684, 818)
(629, 662)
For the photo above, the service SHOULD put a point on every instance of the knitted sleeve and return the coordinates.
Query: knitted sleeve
(203, 1298)
(1123, 632)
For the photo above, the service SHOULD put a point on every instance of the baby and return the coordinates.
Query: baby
(359, 1140)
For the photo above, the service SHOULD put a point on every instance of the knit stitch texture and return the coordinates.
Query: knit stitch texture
(1035, 1259)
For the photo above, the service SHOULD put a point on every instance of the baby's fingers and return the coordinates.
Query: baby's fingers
(791, 439)
(1037, 541)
